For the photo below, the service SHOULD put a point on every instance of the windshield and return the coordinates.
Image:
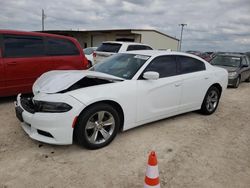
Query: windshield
(121, 65)
(229, 61)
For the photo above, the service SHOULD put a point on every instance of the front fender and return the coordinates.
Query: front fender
(122, 93)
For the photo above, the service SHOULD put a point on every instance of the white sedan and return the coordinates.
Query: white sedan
(124, 91)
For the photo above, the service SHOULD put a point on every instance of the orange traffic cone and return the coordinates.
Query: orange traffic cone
(152, 173)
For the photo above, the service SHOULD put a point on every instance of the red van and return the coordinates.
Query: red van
(24, 56)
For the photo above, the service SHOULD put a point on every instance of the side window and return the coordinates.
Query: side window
(148, 48)
(244, 61)
(132, 47)
(189, 64)
(165, 65)
(138, 47)
(248, 61)
(23, 46)
(61, 47)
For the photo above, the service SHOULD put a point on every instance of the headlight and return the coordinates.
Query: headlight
(53, 107)
(232, 74)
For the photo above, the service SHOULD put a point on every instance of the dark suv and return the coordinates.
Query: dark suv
(237, 65)
(24, 56)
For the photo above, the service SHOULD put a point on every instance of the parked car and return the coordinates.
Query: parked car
(124, 91)
(194, 52)
(109, 48)
(237, 65)
(211, 55)
(248, 55)
(26, 55)
(200, 54)
(89, 55)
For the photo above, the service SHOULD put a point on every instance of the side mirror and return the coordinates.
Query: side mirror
(244, 65)
(151, 75)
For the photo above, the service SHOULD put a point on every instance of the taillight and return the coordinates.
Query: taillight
(94, 54)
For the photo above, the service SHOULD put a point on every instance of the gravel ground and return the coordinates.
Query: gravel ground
(193, 151)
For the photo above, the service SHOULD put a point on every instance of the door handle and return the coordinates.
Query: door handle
(206, 78)
(177, 84)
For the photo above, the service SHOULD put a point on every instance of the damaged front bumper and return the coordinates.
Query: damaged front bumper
(52, 128)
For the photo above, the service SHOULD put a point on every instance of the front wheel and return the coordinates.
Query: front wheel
(237, 83)
(97, 126)
(211, 101)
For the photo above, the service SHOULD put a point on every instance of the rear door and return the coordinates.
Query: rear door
(196, 81)
(64, 53)
(245, 71)
(23, 59)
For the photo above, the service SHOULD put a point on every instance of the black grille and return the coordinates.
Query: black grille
(44, 133)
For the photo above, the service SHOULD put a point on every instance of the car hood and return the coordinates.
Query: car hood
(56, 81)
(229, 69)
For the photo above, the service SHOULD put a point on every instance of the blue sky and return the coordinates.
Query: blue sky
(212, 25)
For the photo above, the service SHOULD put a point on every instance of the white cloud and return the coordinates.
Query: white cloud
(212, 25)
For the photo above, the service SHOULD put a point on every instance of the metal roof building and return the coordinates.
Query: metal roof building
(88, 38)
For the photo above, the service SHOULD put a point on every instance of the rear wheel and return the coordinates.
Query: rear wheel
(97, 126)
(211, 101)
(248, 80)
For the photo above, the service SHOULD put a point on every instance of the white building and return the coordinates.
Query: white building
(153, 38)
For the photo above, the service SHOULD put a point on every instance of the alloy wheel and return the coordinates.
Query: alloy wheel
(237, 82)
(100, 127)
(212, 100)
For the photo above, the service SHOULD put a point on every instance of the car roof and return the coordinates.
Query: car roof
(161, 52)
(128, 43)
(41, 34)
(231, 54)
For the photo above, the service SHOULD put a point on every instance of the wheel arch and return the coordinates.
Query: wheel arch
(218, 86)
(112, 103)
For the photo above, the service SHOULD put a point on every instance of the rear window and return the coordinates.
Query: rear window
(58, 47)
(109, 47)
(23, 46)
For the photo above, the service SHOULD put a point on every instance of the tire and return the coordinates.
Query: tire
(89, 64)
(248, 80)
(237, 83)
(211, 101)
(91, 131)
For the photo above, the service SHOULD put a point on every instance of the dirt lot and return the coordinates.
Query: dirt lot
(193, 151)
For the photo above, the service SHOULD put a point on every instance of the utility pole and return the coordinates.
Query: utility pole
(182, 26)
(43, 17)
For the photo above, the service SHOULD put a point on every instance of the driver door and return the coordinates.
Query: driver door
(159, 98)
(245, 71)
